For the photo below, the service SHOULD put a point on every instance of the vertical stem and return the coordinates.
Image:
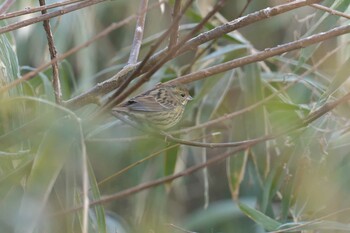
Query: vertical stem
(53, 54)
(85, 175)
(140, 28)
(174, 36)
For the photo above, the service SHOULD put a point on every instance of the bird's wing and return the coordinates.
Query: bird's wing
(147, 103)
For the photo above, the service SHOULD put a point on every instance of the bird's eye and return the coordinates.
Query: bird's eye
(183, 94)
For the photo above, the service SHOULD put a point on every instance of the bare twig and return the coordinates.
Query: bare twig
(139, 29)
(170, 54)
(331, 11)
(6, 5)
(312, 117)
(136, 72)
(154, 47)
(170, 138)
(53, 54)
(62, 11)
(105, 32)
(320, 112)
(36, 9)
(125, 80)
(147, 185)
(259, 103)
(244, 8)
(326, 108)
(129, 70)
(115, 81)
(198, 55)
(174, 32)
(243, 21)
(260, 56)
(127, 168)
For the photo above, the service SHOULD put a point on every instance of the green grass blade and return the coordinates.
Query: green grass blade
(265, 221)
(48, 162)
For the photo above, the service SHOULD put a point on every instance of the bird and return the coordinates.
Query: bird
(159, 108)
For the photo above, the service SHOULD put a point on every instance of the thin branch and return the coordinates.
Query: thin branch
(6, 5)
(127, 168)
(53, 54)
(170, 54)
(154, 47)
(147, 185)
(115, 81)
(139, 29)
(167, 137)
(320, 112)
(260, 56)
(62, 11)
(131, 75)
(244, 8)
(174, 35)
(259, 103)
(103, 33)
(243, 21)
(90, 98)
(197, 56)
(331, 11)
(36, 9)
(168, 178)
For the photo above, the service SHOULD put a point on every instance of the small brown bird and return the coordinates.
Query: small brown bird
(160, 108)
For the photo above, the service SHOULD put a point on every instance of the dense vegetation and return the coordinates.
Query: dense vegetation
(262, 147)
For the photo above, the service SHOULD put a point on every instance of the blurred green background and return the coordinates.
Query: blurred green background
(300, 179)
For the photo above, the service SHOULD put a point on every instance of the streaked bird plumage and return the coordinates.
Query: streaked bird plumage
(161, 107)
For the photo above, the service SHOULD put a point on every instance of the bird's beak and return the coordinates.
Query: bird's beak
(189, 97)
